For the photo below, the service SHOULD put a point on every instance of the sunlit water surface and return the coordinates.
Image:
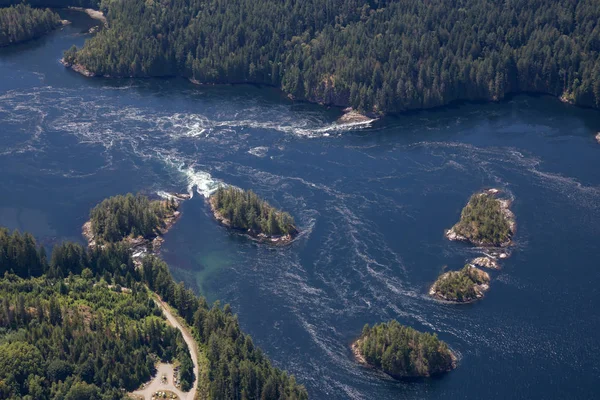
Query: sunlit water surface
(372, 204)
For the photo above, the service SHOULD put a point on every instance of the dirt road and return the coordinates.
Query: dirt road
(167, 369)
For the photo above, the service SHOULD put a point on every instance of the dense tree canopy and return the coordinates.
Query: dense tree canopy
(245, 210)
(383, 55)
(120, 216)
(403, 352)
(461, 286)
(53, 3)
(21, 23)
(237, 368)
(94, 338)
(482, 221)
(64, 336)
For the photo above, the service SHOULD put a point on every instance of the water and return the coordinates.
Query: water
(372, 204)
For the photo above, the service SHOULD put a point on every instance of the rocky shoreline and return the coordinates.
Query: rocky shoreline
(259, 237)
(358, 355)
(351, 116)
(94, 14)
(479, 288)
(140, 246)
(505, 204)
(485, 262)
(78, 68)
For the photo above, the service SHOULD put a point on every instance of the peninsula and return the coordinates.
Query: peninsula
(244, 211)
(357, 55)
(485, 221)
(117, 324)
(21, 23)
(462, 286)
(403, 352)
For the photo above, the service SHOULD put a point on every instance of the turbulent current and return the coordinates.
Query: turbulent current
(372, 202)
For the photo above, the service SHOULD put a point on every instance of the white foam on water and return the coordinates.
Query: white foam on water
(202, 181)
(260, 151)
(165, 195)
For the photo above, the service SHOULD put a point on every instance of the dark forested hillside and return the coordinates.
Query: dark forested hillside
(69, 329)
(383, 55)
(53, 3)
(21, 23)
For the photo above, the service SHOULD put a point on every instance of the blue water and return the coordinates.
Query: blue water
(372, 204)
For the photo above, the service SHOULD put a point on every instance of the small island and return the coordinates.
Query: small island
(485, 221)
(134, 220)
(244, 211)
(403, 352)
(352, 117)
(21, 23)
(485, 262)
(462, 286)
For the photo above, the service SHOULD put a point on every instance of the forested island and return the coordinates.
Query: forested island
(376, 56)
(137, 220)
(485, 221)
(21, 23)
(245, 211)
(402, 352)
(462, 286)
(82, 324)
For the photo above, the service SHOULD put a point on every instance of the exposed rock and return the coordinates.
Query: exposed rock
(352, 116)
(94, 14)
(480, 284)
(138, 245)
(509, 216)
(452, 235)
(486, 262)
(78, 68)
(358, 355)
(567, 98)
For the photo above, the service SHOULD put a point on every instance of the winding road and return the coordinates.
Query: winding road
(167, 369)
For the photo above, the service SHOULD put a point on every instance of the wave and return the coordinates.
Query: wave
(202, 181)
(260, 151)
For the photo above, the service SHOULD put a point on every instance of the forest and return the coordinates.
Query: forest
(81, 324)
(374, 55)
(120, 216)
(21, 23)
(403, 352)
(461, 286)
(246, 211)
(483, 222)
(53, 3)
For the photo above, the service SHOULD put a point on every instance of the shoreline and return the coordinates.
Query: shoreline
(283, 240)
(505, 204)
(94, 14)
(480, 289)
(455, 102)
(360, 359)
(140, 246)
(355, 117)
(78, 68)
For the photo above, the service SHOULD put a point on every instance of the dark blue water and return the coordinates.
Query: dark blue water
(372, 204)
